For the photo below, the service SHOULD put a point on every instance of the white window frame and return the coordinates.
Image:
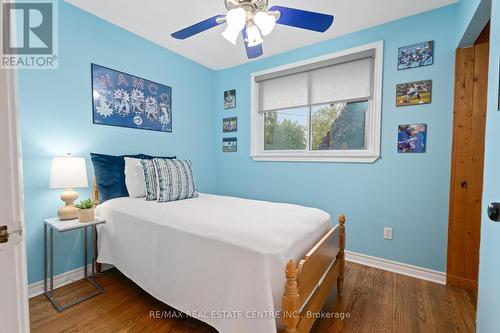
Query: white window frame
(373, 119)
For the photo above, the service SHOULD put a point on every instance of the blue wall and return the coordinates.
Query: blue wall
(56, 117)
(407, 192)
(488, 319)
(466, 11)
(471, 19)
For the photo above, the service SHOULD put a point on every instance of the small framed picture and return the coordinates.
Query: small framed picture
(416, 55)
(412, 138)
(229, 145)
(414, 93)
(230, 99)
(230, 125)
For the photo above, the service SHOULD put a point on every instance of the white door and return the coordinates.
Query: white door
(488, 318)
(13, 283)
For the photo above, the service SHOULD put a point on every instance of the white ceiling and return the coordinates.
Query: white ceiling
(157, 19)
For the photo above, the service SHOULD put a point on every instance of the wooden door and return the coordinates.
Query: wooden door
(469, 120)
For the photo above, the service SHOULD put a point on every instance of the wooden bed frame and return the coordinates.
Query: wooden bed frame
(309, 283)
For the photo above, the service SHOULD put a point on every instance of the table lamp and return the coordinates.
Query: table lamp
(68, 172)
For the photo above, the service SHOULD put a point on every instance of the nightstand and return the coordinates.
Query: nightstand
(64, 226)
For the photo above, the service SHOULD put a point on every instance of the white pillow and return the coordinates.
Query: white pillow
(134, 178)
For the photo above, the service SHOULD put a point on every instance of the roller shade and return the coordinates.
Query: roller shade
(283, 92)
(347, 81)
(344, 82)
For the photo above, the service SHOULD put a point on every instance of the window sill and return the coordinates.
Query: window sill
(315, 159)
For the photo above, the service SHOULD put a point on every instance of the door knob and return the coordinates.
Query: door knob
(4, 234)
(494, 211)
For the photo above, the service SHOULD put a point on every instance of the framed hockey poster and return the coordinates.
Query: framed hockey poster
(121, 99)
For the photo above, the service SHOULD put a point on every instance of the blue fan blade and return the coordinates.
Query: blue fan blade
(303, 19)
(254, 51)
(197, 28)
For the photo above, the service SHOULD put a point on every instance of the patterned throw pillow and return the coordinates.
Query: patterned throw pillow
(175, 180)
(151, 180)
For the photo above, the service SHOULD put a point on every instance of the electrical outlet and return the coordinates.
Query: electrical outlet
(387, 233)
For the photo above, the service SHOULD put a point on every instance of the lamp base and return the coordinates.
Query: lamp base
(68, 212)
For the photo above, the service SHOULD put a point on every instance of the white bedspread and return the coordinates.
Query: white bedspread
(218, 258)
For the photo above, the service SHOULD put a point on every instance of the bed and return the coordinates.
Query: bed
(239, 265)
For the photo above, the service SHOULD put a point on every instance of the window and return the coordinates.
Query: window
(334, 126)
(286, 130)
(323, 110)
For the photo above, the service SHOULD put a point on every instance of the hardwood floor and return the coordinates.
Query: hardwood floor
(374, 301)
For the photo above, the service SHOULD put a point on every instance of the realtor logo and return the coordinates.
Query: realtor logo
(29, 34)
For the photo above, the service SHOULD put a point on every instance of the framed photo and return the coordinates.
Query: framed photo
(230, 99)
(414, 93)
(416, 55)
(230, 124)
(229, 145)
(412, 138)
(124, 100)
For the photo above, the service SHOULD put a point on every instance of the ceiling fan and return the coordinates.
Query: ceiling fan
(253, 19)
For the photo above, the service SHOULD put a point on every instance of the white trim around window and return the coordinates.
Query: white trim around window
(373, 119)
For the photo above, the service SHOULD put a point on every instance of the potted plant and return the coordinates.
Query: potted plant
(86, 210)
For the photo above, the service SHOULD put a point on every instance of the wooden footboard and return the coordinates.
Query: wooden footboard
(309, 284)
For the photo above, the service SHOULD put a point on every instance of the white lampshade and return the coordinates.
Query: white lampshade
(231, 35)
(265, 22)
(236, 20)
(68, 172)
(253, 36)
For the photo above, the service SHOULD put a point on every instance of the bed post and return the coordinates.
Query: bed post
(341, 255)
(95, 192)
(291, 299)
(95, 198)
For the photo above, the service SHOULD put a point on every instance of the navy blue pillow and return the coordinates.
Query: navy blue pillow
(149, 157)
(109, 173)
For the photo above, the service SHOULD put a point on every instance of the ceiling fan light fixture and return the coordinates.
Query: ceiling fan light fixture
(254, 19)
(265, 22)
(253, 36)
(236, 20)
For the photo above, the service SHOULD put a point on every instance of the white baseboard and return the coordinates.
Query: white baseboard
(397, 267)
(426, 274)
(63, 279)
